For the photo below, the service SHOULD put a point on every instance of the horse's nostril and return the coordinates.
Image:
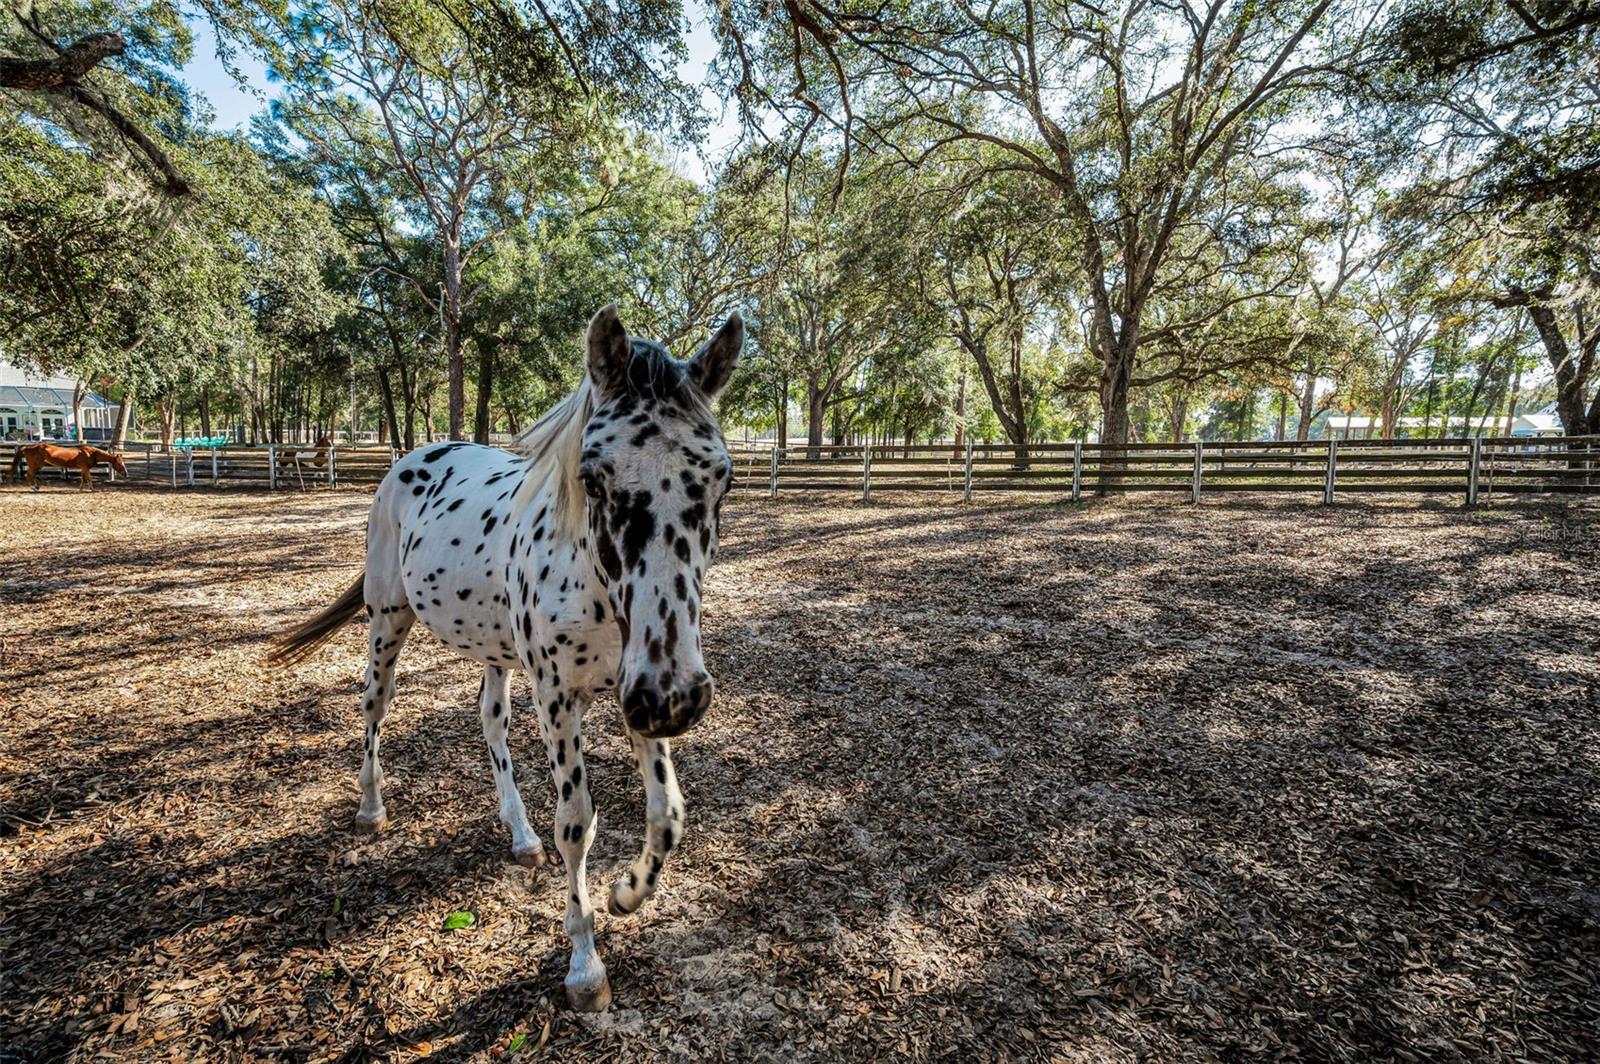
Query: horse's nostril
(700, 697)
(643, 707)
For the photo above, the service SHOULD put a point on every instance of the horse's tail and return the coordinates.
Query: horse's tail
(300, 642)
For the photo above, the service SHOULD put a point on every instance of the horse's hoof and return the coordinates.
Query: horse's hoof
(597, 999)
(532, 857)
(613, 906)
(373, 822)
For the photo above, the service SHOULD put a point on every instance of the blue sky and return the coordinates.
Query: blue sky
(235, 104)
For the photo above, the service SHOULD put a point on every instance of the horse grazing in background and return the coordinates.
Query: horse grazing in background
(581, 563)
(83, 458)
(312, 460)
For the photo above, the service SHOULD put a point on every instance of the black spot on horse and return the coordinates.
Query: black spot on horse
(440, 451)
(637, 523)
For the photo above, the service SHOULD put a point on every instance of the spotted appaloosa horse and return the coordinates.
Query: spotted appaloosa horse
(581, 563)
(82, 457)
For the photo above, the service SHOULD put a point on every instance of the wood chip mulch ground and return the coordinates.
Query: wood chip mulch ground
(1016, 781)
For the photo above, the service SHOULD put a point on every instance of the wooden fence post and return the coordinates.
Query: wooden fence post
(1332, 473)
(774, 492)
(272, 467)
(1077, 470)
(213, 467)
(1194, 491)
(1472, 470)
(332, 477)
(966, 483)
(866, 470)
(189, 455)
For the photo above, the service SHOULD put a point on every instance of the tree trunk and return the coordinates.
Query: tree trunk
(480, 423)
(1007, 406)
(1308, 400)
(79, 389)
(781, 430)
(164, 413)
(961, 411)
(1180, 416)
(386, 393)
(1569, 382)
(1116, 373)
(119, 435)
(1019, 409)
(1511, 400)
(453, 338)
(816, 409)
(205, 411)
(408, 393)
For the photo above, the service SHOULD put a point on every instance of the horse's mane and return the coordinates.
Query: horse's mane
(553, 447)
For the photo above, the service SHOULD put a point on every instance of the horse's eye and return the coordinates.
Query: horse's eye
(592, 486)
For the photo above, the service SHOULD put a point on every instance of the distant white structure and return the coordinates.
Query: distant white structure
(1541, 423)
(1362, 426)
(1351, 426)
(34, 406)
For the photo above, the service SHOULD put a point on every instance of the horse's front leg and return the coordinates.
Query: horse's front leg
(562, 717)
(663, 824)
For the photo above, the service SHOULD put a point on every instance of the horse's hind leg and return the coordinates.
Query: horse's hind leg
(494, 710)
(387, 628)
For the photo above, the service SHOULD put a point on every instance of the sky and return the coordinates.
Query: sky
(236, 104)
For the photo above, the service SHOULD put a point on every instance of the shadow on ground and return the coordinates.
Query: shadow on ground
(1110, 781)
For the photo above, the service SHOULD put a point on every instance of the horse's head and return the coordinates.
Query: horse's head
(655, 469)
(113, 459)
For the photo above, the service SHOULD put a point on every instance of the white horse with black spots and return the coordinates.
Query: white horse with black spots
(580, 562)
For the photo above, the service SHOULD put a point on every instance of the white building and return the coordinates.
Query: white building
(1543, 423)
(1361, 427)
(34, 406)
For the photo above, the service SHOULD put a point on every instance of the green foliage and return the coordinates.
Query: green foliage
(1153, 232)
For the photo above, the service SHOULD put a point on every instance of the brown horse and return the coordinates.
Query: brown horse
(82, 458)
(301, 462)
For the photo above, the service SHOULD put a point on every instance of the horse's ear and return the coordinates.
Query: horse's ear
(609, 350)
(716, 361)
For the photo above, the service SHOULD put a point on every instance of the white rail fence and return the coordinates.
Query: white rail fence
(1472, 467)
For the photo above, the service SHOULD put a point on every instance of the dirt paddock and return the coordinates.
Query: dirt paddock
(1131, 780)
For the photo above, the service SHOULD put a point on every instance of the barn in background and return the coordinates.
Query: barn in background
(35, 406)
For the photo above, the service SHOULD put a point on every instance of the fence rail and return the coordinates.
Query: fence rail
(1472, 467)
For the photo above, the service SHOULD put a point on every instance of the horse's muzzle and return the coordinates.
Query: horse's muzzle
(658, 714)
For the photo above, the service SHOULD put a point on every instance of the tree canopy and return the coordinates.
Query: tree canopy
(1020, 222)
